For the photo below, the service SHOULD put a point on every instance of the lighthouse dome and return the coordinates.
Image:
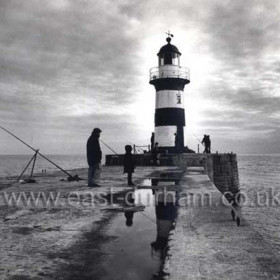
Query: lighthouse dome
(169, 54)
(168, 48)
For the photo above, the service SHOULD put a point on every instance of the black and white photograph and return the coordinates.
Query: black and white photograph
(139, 140)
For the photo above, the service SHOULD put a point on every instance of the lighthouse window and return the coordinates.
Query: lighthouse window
(179, 100)
(175, 59)
(169, 58)
(161, 61)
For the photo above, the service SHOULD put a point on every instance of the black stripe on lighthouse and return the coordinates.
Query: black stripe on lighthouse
(169, 83)
(170, 116)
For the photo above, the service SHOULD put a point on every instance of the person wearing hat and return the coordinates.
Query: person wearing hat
(94, 155)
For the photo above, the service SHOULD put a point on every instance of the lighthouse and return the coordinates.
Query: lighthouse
(169, 80)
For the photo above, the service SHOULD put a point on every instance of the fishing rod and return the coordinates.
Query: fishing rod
(36, 151)
(197, 138)
(108, 147)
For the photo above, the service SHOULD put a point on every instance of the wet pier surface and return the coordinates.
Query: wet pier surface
(165, 229)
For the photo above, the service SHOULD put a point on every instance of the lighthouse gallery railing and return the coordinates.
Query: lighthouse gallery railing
(180, 72)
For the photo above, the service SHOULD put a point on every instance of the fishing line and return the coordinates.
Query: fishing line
(108, 147)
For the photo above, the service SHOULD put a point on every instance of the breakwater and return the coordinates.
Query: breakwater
(222, 169)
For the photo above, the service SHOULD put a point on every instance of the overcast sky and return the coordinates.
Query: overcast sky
(68, 66)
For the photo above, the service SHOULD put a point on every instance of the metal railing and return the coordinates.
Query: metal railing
(180, 72)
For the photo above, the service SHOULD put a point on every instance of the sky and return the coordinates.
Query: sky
(67, 66)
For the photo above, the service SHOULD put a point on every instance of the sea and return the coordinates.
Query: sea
(13, 165)
(259, 177)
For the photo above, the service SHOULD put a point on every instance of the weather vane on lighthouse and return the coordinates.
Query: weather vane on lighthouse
(169, 80)
(169, 34)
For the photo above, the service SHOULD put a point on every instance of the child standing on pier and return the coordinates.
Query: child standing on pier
(128, 164)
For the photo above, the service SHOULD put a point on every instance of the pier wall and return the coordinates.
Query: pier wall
(140, 159)
(222, 169)
(225, 174)
(164, 159)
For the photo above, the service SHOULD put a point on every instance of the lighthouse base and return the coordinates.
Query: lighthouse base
(170, 139)
(175, 150)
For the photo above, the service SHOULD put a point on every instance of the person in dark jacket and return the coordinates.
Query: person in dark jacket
(207, 143)
(176, 141)
(152, 141)
(128, 164)
(94, 155)
(155, 154)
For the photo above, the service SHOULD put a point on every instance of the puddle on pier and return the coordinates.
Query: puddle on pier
(140, 245)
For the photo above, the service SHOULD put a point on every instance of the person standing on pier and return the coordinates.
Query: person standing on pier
(207, 143)
(128, 164)
(152, 141)
(94, 155)
(155, 154)
(176, 141)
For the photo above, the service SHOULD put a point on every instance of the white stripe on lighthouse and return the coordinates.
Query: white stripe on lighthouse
(164, 135)
(169, 99)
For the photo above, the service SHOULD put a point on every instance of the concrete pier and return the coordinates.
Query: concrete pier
(207, 244)
(66, 240)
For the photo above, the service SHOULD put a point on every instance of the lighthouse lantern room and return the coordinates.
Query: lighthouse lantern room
(169, 80)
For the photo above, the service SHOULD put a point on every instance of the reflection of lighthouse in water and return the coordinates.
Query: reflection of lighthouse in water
(166, 213)
(169, 79)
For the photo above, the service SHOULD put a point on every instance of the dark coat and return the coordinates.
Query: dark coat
(128, 163)
(206, 140)
(152, 141)
(94, 153)
(155, 153)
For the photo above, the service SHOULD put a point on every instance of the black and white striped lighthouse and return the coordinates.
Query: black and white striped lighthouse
(169, 79)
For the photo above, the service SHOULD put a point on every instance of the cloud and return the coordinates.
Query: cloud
(45, 45)
(65, 58)
(242, 32)
(67, 66)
